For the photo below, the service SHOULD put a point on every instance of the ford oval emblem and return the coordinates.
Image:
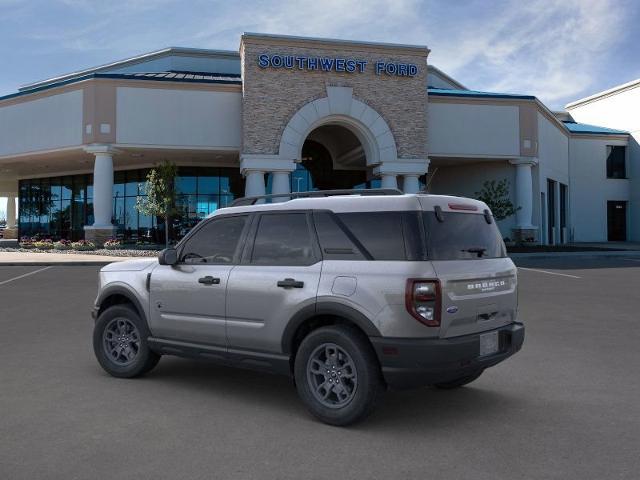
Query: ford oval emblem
(452, 309)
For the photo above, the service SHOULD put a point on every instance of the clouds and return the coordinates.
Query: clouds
(551, 49)
(558, 50)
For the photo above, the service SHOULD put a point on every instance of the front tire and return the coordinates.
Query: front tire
(337, 375)
(120, 342)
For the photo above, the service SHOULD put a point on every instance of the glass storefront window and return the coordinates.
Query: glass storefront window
(60, 207)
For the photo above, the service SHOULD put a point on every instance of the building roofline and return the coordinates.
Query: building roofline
(593, 129)
(320, 40)
(604, 93)
(446, 76)
(445, 92)
(131, 61)
(118, 76)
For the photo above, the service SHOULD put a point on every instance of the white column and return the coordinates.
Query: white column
(11, 211)
(524, 192)
(389, 180)
(280, 184)
(103, 190)
(411, 183)
(254, 185)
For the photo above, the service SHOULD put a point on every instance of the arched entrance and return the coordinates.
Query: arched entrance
(333, 142)
(334, 158)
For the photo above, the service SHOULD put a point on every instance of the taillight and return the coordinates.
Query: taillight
(422, 298)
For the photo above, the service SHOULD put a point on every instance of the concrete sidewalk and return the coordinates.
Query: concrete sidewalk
(45, 259)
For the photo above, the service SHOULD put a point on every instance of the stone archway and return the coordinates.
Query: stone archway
(340, 108)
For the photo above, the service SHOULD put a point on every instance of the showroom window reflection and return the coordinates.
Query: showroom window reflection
(60, 207)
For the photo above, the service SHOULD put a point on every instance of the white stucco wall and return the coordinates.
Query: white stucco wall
(553, 163)
(464, 129)
(590, 189)
(190, 118)
(468, 178)
(620, 110)
(41, 124)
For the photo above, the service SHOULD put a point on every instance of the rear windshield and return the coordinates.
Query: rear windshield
(462, 236)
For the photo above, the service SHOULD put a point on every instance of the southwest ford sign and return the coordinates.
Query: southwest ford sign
(331, 64)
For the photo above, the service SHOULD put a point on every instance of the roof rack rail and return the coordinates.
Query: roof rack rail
(244, 201)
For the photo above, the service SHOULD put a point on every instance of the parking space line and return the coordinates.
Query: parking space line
(25, 275)
(548, 272)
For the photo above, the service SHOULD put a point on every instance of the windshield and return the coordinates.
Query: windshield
(462, 236)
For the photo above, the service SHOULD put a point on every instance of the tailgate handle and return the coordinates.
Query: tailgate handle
(209, 280)
(487, 316)
(290, 283)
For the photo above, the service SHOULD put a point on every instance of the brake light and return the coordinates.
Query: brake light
(422, 299)
(462, 206)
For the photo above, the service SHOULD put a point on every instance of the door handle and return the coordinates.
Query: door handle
(290, 283)
(209, 280)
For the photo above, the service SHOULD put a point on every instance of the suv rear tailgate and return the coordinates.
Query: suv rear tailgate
(477, 295)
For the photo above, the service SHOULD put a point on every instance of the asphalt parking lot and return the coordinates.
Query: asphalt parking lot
(567, 406)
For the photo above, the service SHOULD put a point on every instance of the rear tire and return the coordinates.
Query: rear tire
(337, 375)
(458, 382)
(120, 342)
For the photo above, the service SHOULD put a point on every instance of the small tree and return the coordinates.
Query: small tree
(160, 200)
(496, 196)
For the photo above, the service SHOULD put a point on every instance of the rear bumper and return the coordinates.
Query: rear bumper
(408, 362)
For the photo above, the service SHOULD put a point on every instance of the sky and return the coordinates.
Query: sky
(558, 50)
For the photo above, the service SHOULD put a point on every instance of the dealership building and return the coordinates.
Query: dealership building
(292, 114)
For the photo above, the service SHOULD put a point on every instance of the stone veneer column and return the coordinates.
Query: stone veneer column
(102, 228)
(524, 198)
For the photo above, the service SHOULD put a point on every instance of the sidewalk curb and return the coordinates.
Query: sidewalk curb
(592, 254)
(96, 263)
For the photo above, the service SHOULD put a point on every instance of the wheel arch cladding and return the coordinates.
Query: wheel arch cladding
(320, 315)
(118, 295)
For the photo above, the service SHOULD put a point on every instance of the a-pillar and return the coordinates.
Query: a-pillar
(102, 228)
(524, 229)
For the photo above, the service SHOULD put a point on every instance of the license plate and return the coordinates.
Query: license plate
(488, 343)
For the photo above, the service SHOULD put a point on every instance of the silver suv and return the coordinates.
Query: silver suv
(349, 294)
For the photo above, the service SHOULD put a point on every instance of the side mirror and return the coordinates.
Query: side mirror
(168, 256)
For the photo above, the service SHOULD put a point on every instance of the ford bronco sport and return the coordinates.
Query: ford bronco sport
(349, 293)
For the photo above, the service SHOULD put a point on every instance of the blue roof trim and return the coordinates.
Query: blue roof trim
(444, 92)
(227, 79)
(575, 127)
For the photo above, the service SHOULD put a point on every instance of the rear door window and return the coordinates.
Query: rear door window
(283, 239)
(462, 236)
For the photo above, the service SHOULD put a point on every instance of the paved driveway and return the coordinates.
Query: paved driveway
(567, 406)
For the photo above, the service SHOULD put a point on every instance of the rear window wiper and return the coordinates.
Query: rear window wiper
(478, 250)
